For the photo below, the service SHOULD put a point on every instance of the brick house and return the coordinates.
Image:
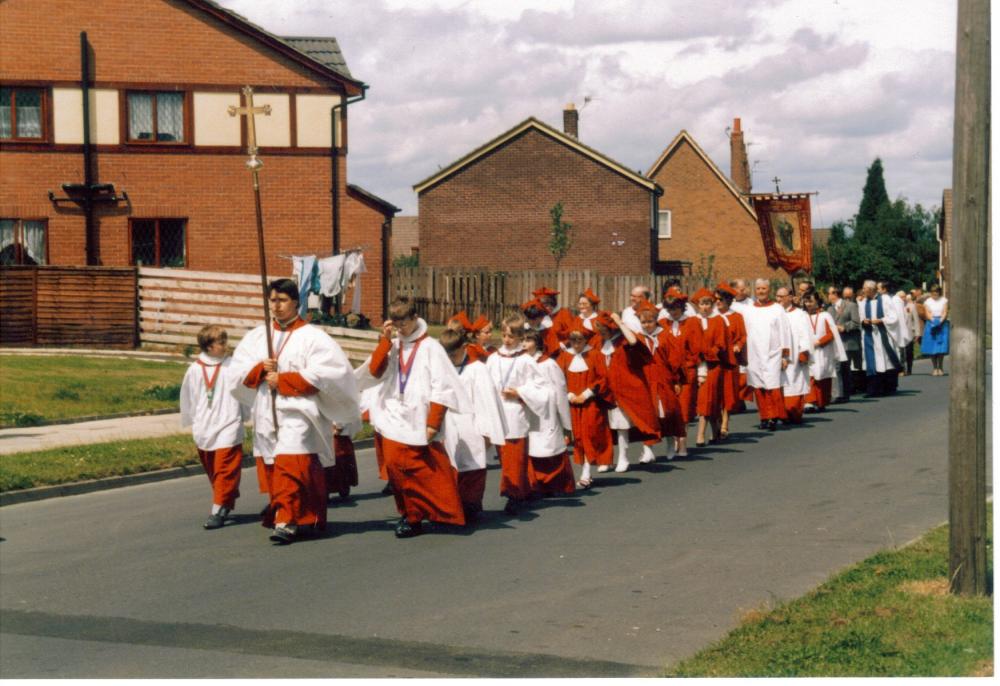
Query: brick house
(160, 179)
(705, 213)
(490, 209)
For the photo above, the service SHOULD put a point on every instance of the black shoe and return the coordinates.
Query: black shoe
(841, 400)
(698, 444)
(216, 521)
(406, 530)
(511, 506)
(772, 425)
(387, 490)
(763, 424)
(283, 535)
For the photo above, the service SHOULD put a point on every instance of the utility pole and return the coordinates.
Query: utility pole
(967, 302)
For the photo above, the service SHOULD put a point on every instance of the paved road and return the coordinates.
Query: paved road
(641, 571)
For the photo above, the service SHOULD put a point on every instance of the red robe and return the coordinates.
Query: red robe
(712, 349)
(630, 388)
(562, 321)
(821, 392)
(344, 473)
(736, 335)
(683, 350)
(591, 434)
(223, 466)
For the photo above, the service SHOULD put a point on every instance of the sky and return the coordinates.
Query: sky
(822, 87)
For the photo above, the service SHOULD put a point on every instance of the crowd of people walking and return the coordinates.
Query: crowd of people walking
(555, 387)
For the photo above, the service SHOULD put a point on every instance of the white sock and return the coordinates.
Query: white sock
(622, 444)
(585, 474)
(647, 454)
(216, 508)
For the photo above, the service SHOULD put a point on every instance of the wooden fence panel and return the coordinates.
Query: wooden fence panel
(91, 307)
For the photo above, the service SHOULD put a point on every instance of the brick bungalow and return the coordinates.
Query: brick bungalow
(704, 212)
(159, 179)
(490, 209)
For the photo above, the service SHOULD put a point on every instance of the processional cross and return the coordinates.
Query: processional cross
(776, 182)
(254, 164)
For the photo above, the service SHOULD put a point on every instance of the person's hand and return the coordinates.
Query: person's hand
(677, 388)
(272, 380)
(431, 433)
(876, 322)
(510, 394)
(387, 328)
(840, 328)
(616, 318)
(701, 379)
(270, 365)
(737, 348)
(784, 363)
(337, 428)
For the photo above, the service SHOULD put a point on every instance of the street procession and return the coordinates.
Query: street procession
(527, 339)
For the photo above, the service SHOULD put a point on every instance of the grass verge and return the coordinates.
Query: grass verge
(890, 615)
(42, 388)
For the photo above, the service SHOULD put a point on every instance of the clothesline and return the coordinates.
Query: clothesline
(319, 256)
(329, 276)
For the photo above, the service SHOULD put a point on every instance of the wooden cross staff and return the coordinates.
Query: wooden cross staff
(254, 164)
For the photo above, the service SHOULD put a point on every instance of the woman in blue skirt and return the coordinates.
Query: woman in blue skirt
(936, 330)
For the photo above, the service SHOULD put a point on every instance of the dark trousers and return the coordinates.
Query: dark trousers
(849, 372)
(909, 357)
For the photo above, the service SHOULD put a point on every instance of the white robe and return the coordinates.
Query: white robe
(306, 422)
(883, 362)
(767, 334)
(219, 424)
(520, 373)
(464, 434)
(900, 331)
(795, 377)
(742, 306)
(825, 359)
(551, 416)
(400, 414)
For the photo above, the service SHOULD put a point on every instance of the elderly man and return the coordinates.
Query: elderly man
(845, 315)
(742, 302)
(636, 296)
(878, 321)
(769, 350)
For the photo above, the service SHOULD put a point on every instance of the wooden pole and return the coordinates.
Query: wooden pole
(967, 302)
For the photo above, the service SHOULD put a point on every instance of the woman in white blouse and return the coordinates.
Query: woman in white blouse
(936, 330)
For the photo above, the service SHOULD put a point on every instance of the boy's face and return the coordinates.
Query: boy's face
(705, 306)
(605, 333)
(529, 345)
(577, 342)
(484, 335)
(509, 339)
(648, 321)
(675, 309)
(217, 348)
(722, 304)
(405, 325)
(283, 307)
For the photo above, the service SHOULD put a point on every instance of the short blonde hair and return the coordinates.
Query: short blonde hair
(210, 334)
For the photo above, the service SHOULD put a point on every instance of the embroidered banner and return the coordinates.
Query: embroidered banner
(786, 229)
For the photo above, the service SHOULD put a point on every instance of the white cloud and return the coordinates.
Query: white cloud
(821, 87)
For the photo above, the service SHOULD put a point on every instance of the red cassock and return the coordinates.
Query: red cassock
(344, 473)
(683, 349)
(821, 391)
(736, 335)
(630, 389)
(562, 321)
(223, 467)
(591, 433)
(712, 348)
(662, 379)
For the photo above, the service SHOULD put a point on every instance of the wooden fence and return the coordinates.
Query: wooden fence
(174, 304)
(90, 307)
(441, 292)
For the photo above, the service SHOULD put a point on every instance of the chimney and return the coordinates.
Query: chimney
(571, 121)
(739, 167)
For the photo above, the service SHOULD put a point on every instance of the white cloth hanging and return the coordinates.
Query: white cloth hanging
(331, 275)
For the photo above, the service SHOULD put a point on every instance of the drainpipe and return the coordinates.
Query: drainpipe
(88, 165)
(335, 175)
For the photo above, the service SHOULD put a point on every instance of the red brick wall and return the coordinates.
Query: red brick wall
(495, 213)
(156, 41)
(706, 219)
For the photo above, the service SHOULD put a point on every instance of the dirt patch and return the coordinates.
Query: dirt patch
(984, 668)
(936, 587)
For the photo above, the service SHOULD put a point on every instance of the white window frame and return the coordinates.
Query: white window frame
(663, 227)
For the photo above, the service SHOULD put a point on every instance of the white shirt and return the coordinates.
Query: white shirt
(216, 423)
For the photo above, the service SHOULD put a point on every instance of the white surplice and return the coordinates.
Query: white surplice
(464, 434)
(550, 415)
(514, 369)
(825, 359)
(399, 408)
(217, 422)
(768, 334)
(305, 422)
(795, 377)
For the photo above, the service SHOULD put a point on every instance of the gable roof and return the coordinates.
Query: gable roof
(320, 55)
(533, 124)
(685, 137)
(384, 206)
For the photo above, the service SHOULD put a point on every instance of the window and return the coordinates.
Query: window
(664, 222)
(21, 114)
(155, 117)
(159, 242)
(23, 241)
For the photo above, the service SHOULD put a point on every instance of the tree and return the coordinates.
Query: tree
(874, 196)
(560, 240)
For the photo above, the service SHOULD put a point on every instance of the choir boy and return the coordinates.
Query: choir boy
(795, 376)
(662, 380)
(828, 352)
(549, 430)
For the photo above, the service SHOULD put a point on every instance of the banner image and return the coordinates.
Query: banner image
(786, 229)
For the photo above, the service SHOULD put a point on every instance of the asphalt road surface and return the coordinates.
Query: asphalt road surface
(644, 569)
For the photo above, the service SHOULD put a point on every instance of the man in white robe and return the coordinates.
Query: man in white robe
(312, 385)
(795, 384)
(769, 350)
(878, 347)
(419, 385)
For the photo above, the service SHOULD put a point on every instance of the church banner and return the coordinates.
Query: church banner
(786, 229)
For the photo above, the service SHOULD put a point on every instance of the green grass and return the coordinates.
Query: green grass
(34, 389)
(887, 616)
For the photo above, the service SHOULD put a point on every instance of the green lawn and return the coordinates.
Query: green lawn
(890, 615)
(43, 388)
